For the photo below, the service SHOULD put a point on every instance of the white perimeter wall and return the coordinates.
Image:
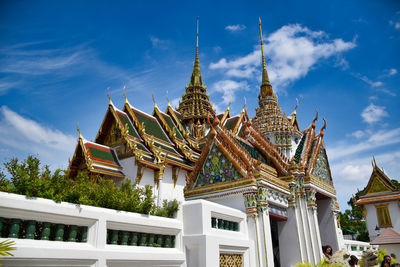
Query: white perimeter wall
(96, 252)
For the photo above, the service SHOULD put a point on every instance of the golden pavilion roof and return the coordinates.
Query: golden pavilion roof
(195, 101)
(269, 117)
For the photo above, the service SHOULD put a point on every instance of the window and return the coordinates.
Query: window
(383, 214)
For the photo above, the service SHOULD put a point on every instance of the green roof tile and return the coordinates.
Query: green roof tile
(96, 153)
(152, 126)
(126, 121)
(252, 151)
(231, 122)
(299, 149)
(172, 125)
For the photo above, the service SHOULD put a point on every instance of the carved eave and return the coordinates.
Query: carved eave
(267, 149)
(157, 146)
(128, 133)
(180, 144)
(193, 143)
(94, 164)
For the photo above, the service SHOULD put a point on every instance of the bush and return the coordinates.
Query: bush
(27, 178)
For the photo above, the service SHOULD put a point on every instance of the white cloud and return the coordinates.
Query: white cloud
(392, 72)
(158, 43)
(353, 172)
(235, 28)
(374, 141)
(395, 24)
(292, 50)
(28, 136)
(358, 134)
(367, 80)
(228, 89)
(373, 113)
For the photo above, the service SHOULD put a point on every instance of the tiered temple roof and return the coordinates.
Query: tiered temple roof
(233, 153)
(195, 103)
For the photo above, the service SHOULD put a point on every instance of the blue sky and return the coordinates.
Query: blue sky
(341, 57)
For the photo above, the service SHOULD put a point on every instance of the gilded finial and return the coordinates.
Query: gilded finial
(168, 99)
(297, 105)
(265, 78)
(108, 95)
(155, 104)
(230, 102)
(77, 129)
(315, 119)
(373, 162)
(245, 103)
(123, 91)
(321, 132)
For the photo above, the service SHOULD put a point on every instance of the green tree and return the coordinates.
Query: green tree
(352, 221)
(28, 178)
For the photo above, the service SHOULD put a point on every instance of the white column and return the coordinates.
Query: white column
(318, 235)
(267, 238)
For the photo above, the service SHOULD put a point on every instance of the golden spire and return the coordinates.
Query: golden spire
(265, 79)
(196, 75)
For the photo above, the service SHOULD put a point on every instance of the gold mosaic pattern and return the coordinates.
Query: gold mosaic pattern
(231, 260)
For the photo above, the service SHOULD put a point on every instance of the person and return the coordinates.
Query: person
(353, 261)
(327, 250)
(386, 259)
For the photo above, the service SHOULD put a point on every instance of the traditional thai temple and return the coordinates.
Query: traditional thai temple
(380, 203)
(272, 177)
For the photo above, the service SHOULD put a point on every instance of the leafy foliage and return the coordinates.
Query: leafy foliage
(352, 221)
(6, 246)
(27, 178)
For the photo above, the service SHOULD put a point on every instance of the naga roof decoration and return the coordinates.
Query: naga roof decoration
(195, 101)
(95, 158)
(379, 188)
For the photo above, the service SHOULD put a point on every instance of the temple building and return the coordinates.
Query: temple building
(272, 178)
(380, 203)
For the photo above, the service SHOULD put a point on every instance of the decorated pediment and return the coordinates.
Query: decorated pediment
(216, 168)
(377, 185)
(321, 169)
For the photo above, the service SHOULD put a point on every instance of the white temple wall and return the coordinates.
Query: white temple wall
(291, 248)
(169, 191)
(204, 244)
(129, 168)
(372, 217)
(233, 201)
(327, 224)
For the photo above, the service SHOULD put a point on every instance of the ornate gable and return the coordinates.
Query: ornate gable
(216, 168)
(321, 169)
(379, 182)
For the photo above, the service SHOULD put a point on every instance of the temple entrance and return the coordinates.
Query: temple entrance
(275, 242)
(230, 260)
(326, 222)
